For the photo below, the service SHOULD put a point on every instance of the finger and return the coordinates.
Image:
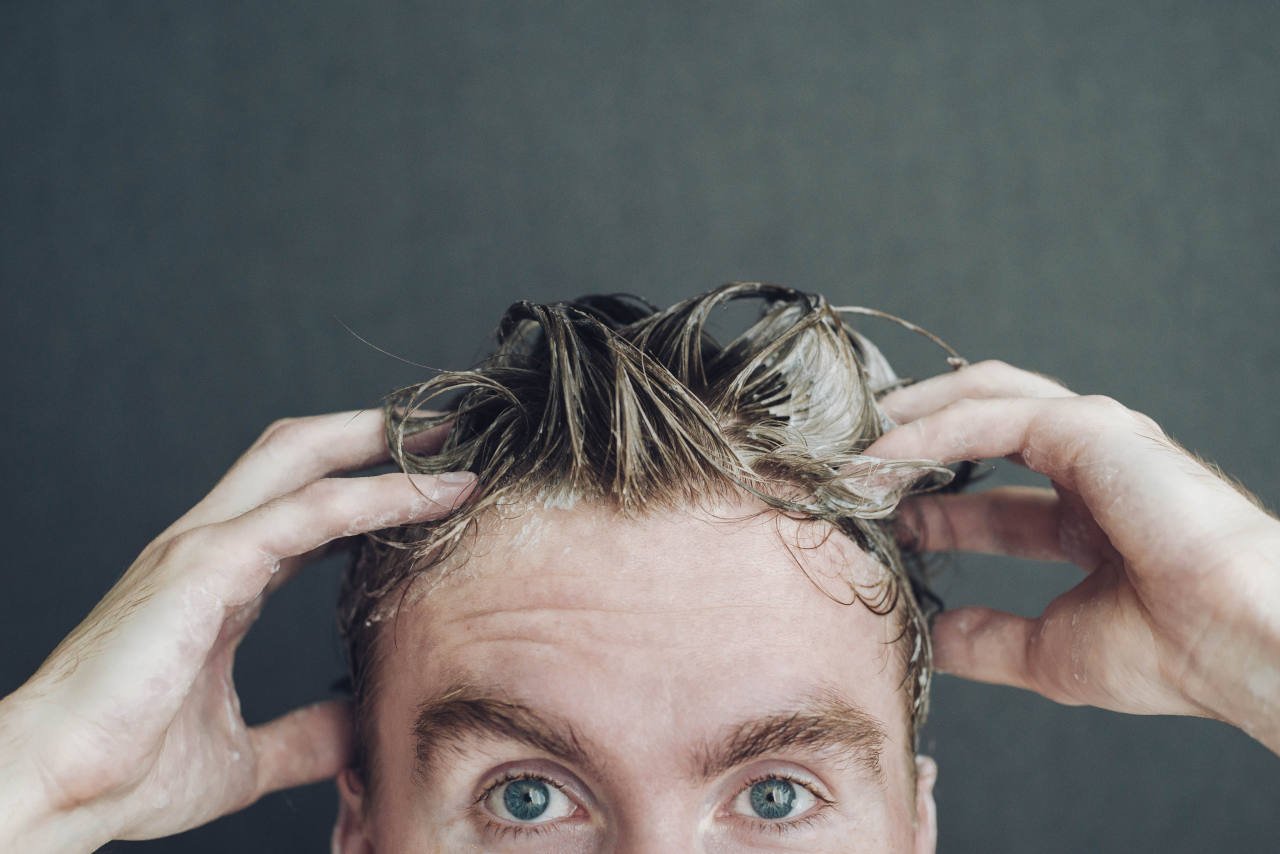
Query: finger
(1019, 521)
(990, 378)
(255, 543)
(1058, 437)
(1132, 480)
(983, 645)
(1113, 458)
(295, 451)
(291, 566)
(304, 746)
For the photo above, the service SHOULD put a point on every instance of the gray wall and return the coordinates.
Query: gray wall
(192, 195)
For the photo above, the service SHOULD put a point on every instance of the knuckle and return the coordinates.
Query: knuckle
(1105, 405)
(187, 547)
(990, 375)
(993, 366)
(1147, 424)
(277, 433)
(997, 375)
(278, 426)
(1114, 409)
(282, 432)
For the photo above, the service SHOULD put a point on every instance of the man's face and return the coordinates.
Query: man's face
(580, 682)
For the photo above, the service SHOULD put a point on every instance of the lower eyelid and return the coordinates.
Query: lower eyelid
(501, 831)
(820, 813)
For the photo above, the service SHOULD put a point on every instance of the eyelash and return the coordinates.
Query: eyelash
(782, 827)
(778, 827)
(503, 830)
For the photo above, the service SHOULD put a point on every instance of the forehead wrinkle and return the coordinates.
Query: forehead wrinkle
(523, 610)
(634, 566)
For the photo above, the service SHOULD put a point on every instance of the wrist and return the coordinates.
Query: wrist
(32, 819)
(1239, 678)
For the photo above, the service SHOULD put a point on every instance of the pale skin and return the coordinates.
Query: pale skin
(131, 728)
(650, 637)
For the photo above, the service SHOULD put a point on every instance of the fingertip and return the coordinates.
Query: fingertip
(446, 490)
(903, 441)
(907, 524)
(926, 768)
(889, 407)
(449, 481)
(456, 478)
(961, 619)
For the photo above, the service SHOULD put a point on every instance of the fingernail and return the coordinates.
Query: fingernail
(456, 477)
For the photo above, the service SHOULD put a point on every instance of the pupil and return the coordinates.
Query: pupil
(772, 798)
(526, 799)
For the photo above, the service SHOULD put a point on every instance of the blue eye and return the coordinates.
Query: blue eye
(774, 798)
(528, 800)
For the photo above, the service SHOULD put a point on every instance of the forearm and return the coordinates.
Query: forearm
(31, 819)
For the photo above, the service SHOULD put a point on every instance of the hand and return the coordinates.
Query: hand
(131, 729)
(1179, 610)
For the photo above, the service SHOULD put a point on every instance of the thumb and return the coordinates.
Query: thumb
(984, 645)
(306, 745)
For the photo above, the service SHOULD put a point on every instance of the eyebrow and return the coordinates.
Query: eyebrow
(821, 721)
(465, 712)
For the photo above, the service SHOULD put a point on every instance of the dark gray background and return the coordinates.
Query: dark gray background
(190, 194)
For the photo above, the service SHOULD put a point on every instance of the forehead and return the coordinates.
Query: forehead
(640, 628)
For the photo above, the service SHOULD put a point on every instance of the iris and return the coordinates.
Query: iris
(773, 798)
(526, 799)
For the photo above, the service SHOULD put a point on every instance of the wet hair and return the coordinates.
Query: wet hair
(609, 399)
